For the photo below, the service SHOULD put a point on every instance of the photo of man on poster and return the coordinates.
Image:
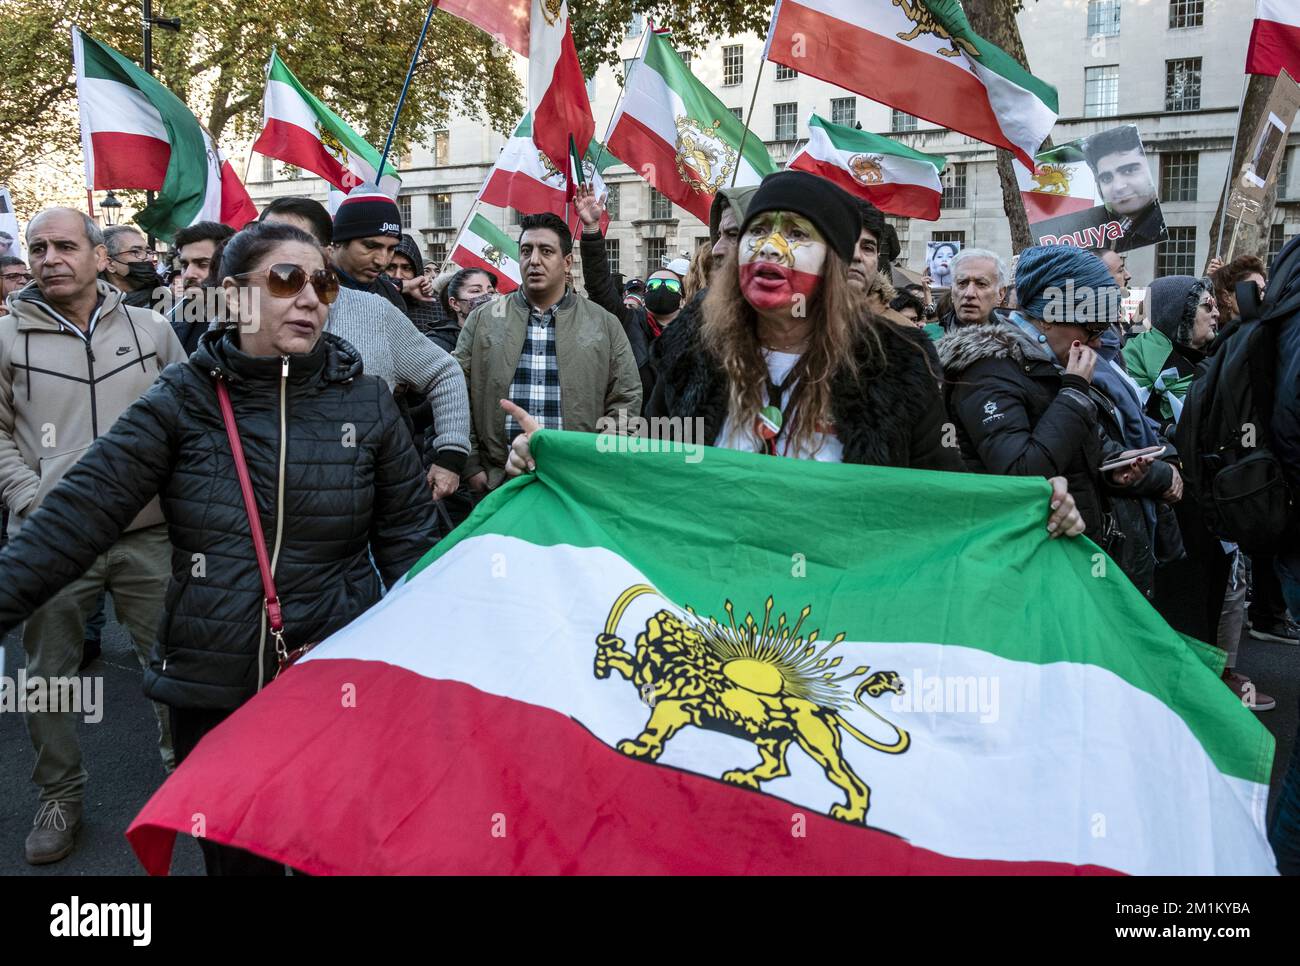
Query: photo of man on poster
(1124, 182)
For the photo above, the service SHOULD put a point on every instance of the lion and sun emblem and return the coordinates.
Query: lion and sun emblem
(766, 683)
(925, 22)
(704, 160)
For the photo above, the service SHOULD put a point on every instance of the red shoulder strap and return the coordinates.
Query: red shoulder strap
(274, 616)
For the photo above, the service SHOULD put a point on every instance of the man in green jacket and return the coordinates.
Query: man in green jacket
(560, 358)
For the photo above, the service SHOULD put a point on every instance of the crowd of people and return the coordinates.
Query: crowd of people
(374, 401)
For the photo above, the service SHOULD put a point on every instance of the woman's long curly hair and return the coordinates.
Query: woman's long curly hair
(843, 331)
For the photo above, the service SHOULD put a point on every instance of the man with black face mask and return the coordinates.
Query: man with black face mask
(663, 290)
(131, 265)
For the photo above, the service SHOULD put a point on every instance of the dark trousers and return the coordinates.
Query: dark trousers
(1266, 603)
(1189, 592)
(188, 726)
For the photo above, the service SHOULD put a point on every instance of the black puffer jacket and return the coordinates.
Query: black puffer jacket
(891, 415)
(352, 482)
(1018, 414)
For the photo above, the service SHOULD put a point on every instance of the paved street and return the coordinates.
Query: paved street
(122, 759)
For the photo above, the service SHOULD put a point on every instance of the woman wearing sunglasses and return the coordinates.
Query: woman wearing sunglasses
(332, 471)
(1025, 403)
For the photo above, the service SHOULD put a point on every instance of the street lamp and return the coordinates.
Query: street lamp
(112, 208)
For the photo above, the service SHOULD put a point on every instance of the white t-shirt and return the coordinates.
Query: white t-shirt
(825, 448)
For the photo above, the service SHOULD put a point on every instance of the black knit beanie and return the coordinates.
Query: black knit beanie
(366, 212)
(832, 209)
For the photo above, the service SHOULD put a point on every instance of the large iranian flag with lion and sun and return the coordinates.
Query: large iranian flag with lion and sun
(898, 672)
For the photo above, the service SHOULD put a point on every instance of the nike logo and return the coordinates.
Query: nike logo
(123, 350)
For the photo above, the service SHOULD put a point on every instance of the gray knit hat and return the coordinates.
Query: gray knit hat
(1173, 305)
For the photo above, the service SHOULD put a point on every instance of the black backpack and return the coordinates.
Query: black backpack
(1224, 436)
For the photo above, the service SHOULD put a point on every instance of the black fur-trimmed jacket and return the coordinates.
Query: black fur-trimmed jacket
(890, 415)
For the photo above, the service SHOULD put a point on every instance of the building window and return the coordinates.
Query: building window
(635, 27)
(1284, 176)
(404, 159)
(1276, 240)
(442, 211)
(612, 203)
(901, 122)
(611, 255)
(954, 187)
(441, 148)
(515, 215)
(268, 168)
(655, 249)
(1103, 18)
(437, 254)
(404, 209)
(844, 110)
(627, 67)
(1101, 91)
(739, 112)
(785, 73)
(660, 207)
(1186, 13)
(949, 236)
(733, 65)
(1178, 174)
(1183, 84)
(787, 119)
(1177, 255)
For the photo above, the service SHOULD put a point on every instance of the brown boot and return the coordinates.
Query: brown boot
(54, 833)
(1244, 689)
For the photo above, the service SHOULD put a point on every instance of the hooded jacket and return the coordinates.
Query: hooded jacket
(427, 316)
(1160, 360)
(890, 415)
(61, 389)
(324, 509)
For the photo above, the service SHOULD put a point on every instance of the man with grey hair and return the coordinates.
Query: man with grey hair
(979, 285)
(73, 357)
(131, 265)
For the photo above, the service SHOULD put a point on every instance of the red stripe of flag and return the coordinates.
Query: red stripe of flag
(468, 258)
(293, 145)
(564, 110)
(129, 160)
(471, 782)
(1273, 47)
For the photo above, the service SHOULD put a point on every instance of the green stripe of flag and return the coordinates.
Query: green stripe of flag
(489, 232)
(881, 554)
(701, 104)
(851, 139)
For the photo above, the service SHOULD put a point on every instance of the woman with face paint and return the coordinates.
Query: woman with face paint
(784, 359)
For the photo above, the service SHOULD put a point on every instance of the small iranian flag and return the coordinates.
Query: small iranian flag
(523, 177)
(1275, 39)
(1060, 183)
(484, 245)
(299, 129)
(135, 133)
(678, 135)
(918, 56)
(650, 688)
(892, 176)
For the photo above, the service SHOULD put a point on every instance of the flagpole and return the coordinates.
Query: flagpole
(744, 135)
(1232, 175)
(249, 165)
(622, 88)
(406, 85)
